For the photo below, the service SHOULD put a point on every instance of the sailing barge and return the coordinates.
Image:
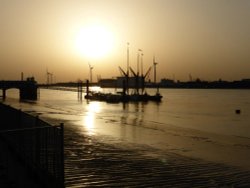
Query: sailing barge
(121, 96)
(138, 83)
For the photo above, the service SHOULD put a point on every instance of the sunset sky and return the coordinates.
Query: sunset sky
(209, 39)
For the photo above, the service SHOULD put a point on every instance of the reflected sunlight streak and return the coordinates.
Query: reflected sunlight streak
(89, 123)
(89, 119)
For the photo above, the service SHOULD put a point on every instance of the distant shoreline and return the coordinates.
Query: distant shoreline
(167, 85)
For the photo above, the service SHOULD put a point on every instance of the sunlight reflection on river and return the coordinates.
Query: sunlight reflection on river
(89, 120)
(205, 110)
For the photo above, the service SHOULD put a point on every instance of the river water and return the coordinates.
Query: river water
(194, 123)
(205, 110)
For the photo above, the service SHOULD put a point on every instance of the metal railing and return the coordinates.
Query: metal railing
(37, 145)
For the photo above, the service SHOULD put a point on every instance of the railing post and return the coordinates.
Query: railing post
(37, 147)
(62, 152)
(20, 123)
(37, 121)
(46, 149)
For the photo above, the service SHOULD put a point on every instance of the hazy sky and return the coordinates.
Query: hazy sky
(209, 39)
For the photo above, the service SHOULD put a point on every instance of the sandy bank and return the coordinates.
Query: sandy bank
(189, 159)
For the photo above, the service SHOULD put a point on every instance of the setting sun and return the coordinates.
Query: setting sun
(94, 41)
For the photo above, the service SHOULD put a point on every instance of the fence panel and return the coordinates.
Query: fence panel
(37, 145)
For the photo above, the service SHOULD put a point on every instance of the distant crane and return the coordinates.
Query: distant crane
(154, 63)
(90, 72)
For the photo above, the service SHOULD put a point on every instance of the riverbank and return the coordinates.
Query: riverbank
(106, 162)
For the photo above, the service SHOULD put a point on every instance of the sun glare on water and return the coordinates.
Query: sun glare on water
(94, 41)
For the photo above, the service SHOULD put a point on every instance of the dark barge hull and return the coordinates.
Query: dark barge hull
(115, 98)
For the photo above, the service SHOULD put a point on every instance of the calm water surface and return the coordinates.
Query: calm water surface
(205, 110)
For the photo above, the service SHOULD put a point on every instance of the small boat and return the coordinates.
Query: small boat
(157, 97)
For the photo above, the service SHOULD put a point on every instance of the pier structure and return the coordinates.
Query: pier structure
(27, 88)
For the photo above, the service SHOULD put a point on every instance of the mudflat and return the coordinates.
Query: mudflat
(191, 159)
